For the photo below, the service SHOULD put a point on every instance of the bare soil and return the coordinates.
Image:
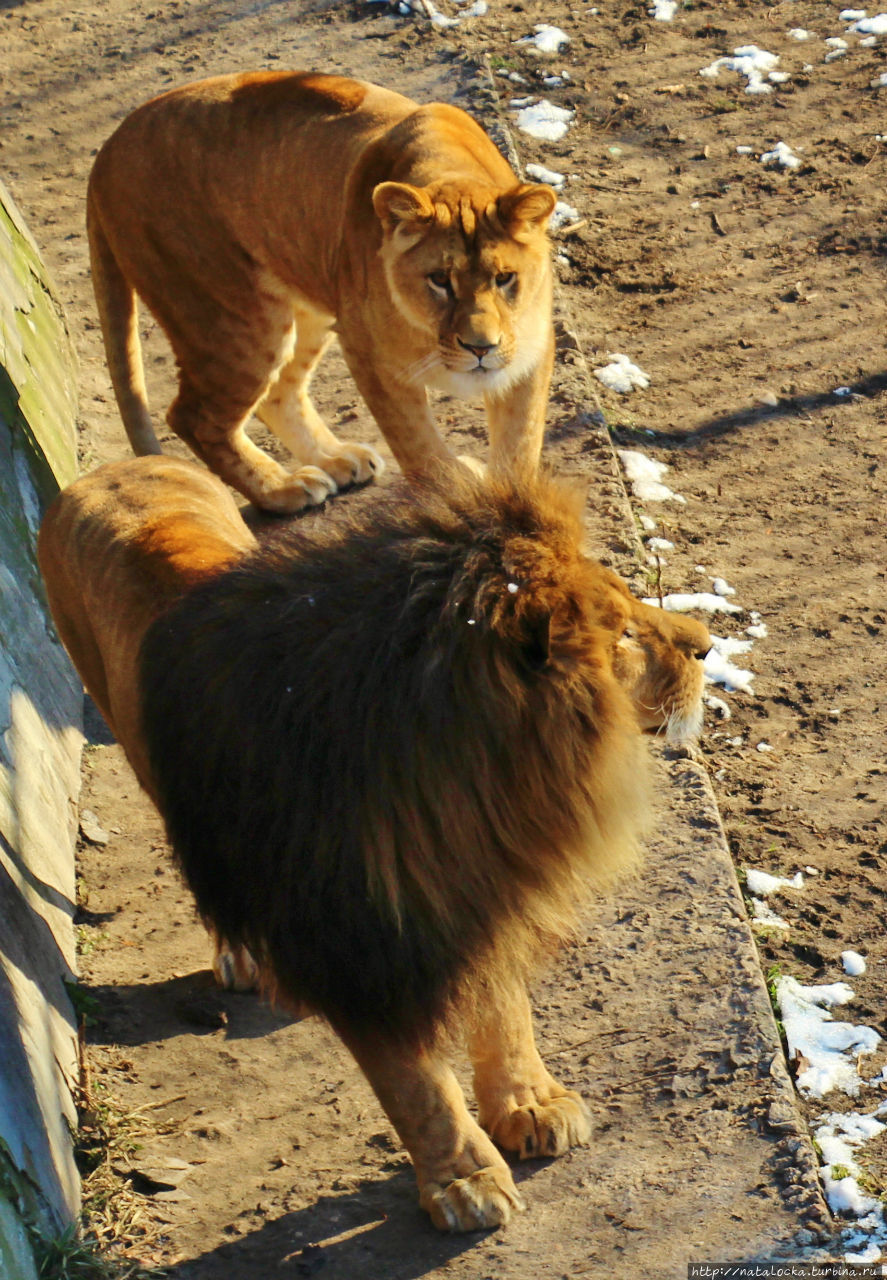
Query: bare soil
(749, 294)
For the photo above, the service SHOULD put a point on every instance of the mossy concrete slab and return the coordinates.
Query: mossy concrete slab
(40, 744)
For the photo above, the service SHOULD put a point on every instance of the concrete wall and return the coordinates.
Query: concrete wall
(40, 743)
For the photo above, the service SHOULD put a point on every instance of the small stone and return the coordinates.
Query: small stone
(91, 829)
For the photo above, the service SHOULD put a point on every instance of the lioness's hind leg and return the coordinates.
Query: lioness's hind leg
(520, 1104)
(289, 413)
(464, 1183)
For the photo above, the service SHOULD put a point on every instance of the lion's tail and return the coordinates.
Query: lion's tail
(118, 313)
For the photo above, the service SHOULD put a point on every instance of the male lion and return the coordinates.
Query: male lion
(254, 214)
(391, 756)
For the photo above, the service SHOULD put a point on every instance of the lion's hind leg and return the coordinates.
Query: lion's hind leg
(520, 1104)
(464, 1184)
(233, 967)
(288, 412)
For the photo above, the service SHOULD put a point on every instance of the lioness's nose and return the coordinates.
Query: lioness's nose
(478, 349)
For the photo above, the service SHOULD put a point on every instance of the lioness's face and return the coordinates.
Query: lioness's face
(470, 273)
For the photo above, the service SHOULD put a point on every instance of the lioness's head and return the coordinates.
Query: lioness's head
(468, 266)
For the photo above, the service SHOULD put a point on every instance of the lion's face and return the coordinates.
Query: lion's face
(657, 658)
(468, 268)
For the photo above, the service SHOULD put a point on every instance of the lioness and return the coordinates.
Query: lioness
(391, 756)
(255, 214)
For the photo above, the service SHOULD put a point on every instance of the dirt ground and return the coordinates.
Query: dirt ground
(749, 294)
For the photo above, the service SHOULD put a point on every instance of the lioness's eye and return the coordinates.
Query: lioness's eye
(439, 279)
(505, 278)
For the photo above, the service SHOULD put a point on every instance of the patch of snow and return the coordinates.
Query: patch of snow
(722, 588)
(757, 630)
(720, 670)
(829, 1048)
(659, 544)
(563, 213)
(718, 705)
(664, 10)
(781, 155)
(707, 601)
(837, 48)
(638, 466)
(441, 20)
(876, 26)
(798, 33)
(645, 476)
(874, 1245)
(764, 915)
(547, 39)
(748, 61)
(622, 375)
(544, 120)
(728, 646)
(838, 1138)
(539, 173)
(853, 963)
(762, 882)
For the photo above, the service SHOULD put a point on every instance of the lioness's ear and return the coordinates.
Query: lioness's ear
(397, 202)
(529, 202)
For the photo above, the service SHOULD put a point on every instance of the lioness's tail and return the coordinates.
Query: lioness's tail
(118, 313)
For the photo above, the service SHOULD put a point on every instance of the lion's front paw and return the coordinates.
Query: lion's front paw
(486, 1198)
(352, 464)
(544, 1129)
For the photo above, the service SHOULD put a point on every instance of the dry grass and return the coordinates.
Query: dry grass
(117, 1237)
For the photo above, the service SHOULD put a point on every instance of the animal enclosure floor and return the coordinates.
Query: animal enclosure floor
(753, 297)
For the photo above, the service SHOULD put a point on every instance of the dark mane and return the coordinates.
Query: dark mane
(391, 753)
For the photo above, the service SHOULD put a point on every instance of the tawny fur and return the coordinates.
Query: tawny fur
(392, 756)
(253, 214)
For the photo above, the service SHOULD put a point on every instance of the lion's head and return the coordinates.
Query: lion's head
(657, 658)
(468, 266)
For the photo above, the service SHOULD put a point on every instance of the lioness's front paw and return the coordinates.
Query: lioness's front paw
(307, 487)
(353, 464)
(544, 1129)
(486, 1198)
